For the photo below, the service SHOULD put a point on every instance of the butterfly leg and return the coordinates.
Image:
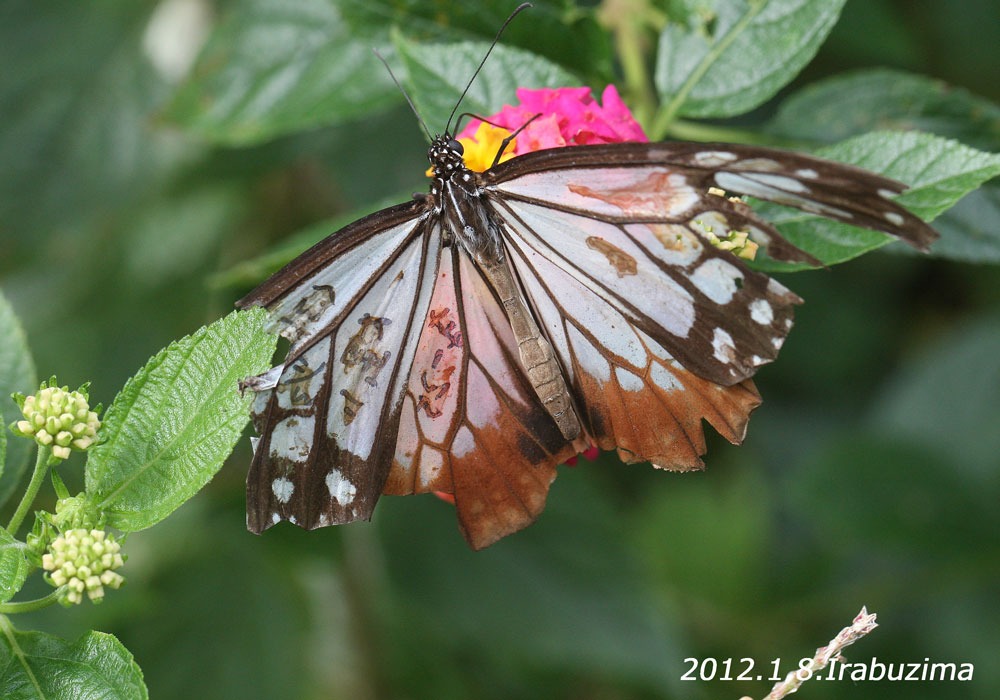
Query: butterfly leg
(537, 357)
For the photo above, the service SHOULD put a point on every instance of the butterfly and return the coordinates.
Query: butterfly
(474, 338)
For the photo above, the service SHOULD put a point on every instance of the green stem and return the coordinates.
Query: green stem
(37, 477)
(629, 41)
(698, 131)
(30, 605)
(627, 21)
(668, 113)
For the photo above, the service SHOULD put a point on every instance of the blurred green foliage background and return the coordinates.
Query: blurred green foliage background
(870, 475)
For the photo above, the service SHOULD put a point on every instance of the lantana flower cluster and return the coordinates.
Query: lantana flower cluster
(58, 418)
(85, 561)
(569, 117)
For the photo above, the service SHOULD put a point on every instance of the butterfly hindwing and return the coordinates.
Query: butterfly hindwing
(636, 397)
(471, 424)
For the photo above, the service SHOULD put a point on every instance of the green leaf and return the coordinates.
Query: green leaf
(272, 67)
(738, 54)
(890, 495)
(559, 30)
(13, 566)
(253, 271)
(175, 422)
(17, 373)
(37, 666)
(437, 74)
(177, 233)
(939, 172)
(945, 398)
(853, 103)
(970, 231)
(76, 98)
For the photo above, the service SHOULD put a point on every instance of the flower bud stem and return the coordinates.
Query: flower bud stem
(37, 477)
(30, 605)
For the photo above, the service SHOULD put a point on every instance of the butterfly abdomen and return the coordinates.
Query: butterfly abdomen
(537, 358)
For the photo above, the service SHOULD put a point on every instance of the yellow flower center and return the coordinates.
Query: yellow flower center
(482, 147)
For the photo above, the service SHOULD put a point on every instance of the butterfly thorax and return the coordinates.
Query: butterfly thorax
(456, 193)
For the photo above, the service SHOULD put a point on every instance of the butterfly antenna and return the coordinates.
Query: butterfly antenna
(506, 141)
(522, 6)
(475, 116)
(412, 106)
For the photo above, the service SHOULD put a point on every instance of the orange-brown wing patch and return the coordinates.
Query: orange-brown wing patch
(635, 397)
(491, 443)
(646, 191)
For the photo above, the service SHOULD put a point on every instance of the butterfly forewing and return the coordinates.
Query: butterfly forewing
(660, 181)
(323, 456)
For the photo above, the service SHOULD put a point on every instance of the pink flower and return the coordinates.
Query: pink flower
(590, 453)
(569, 116)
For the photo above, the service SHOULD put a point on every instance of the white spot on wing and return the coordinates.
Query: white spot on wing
(431, 462)
(716, 279)
(762, 190)
(722, 344)
(663, 378)
(464, 443)
(275, 518)
(282, 489)
(778, 342)
(711, 159)
(894, 218)
(807, 173)
(776, 288)
(761, 312)
(292, 438)
(765, 164)
(340, 488)
(782, 182)
(887, 194)
(591, 361)
(628, 381)
(265, 381)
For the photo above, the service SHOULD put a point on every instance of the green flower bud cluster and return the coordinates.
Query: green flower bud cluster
(85, 560)
(58, 418)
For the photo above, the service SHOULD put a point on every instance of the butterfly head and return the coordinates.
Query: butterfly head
(445, 155)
